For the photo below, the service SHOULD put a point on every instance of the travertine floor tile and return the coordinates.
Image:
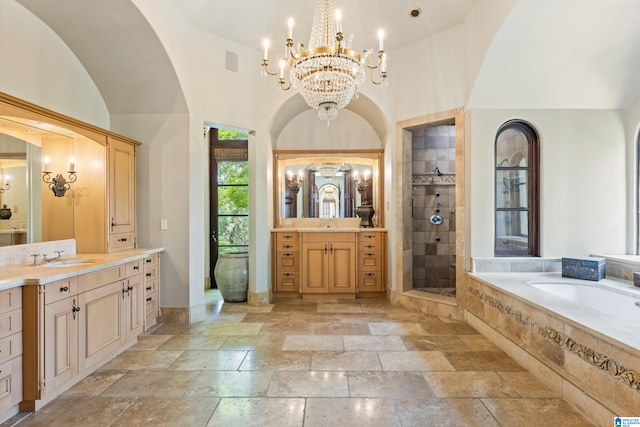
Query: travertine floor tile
(308, 384)
(436, 326)
(435, 342)
(78, 411)
(150, 342)
(288, 328)
(151, 384)
(246, 308)
(258, 342)
(340, 328)
(446, 413)
(534, 412)
(230, 384)
(393, 385)
(193, 342)
(169, 412)
(224, 360)
(95, 384)
(351, 412)
(312, 342)
(141, 359)
(345, 361)
(414, 361)
(263, 412)
(374, 343)
(395, 328)
(339, 308)
(469, 384)
(266, 317)
(363, 318)
(482, 361)
(231, 328)
(478, 343)
(271, 360)
(527, 385)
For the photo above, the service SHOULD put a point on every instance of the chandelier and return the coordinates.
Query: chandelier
(327, 73)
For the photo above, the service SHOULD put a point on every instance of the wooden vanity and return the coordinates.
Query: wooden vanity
(329, 263)
(57, 325)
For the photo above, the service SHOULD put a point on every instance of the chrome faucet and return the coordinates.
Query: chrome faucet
(56, 258)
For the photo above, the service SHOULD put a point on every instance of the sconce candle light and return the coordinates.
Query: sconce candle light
(6, 185)
(59, 185)
(295, 181)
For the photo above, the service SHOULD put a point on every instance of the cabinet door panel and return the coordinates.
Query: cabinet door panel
(343, 267)
(315, 270)
(61, 342)
(134, 304)
(101, 324)
(121, 187)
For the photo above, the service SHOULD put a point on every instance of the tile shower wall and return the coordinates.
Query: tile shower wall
(434, 245)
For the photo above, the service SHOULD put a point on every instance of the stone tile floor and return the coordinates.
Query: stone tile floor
(312, 363)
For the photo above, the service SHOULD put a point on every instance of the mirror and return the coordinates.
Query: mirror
(33, 212)
(326, 185)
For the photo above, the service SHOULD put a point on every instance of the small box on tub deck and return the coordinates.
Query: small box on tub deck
(636, 279)
(584, 268)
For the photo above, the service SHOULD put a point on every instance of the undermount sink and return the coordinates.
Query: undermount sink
(68, 262)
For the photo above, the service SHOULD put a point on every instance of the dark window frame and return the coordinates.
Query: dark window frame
(533, 190)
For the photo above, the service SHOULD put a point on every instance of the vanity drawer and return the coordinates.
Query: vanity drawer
(370, 281)
(150, 273)
(329, 237)
(10, 299)
(151, 304)
(10, 383)
(89, 281)
(151, 261)
(150, 286)
(293, 246)
(61, 289)
(370, 246)
(10, 347)
(370, 261)
(288, 261)
(10, 323)
(121, 241)
(287, 237)
(287, 282)
(132, 268)
(369, 236)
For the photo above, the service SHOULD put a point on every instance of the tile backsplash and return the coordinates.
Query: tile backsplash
(21, 254)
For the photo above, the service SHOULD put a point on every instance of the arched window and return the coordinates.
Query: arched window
(517, 190)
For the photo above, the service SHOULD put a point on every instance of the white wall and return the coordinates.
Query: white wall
(307, 132)
(582, 188)
(38, 67)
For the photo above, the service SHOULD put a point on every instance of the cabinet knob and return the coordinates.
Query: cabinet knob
(287, 246)
(148, 261)
(369, 254)
(148, 288)
(287, 254)
(64, 289)
(148, 274)
(136, 267)
(149, 299)
(123, 239)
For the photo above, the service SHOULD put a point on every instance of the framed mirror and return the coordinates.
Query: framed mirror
(322, 188)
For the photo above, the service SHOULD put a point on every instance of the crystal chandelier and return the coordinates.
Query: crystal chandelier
(327, 73)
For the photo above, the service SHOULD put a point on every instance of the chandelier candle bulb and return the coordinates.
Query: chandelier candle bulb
(265, 43)
(290, 33)
(381, 40)
(47, 160)
(338, 21)
(72, 164)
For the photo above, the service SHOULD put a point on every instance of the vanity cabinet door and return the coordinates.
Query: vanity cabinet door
(315, 268)
(342, 267)
(122, 186)
(134, 307)
(61, 342)
(101, 323)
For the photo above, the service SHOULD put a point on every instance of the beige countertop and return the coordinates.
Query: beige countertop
(327, 229)
(28, 274)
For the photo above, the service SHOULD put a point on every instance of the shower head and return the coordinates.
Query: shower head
(437, 171)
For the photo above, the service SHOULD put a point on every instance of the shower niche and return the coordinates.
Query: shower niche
(433, 176)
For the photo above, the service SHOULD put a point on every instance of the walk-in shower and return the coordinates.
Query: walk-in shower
(433, 197)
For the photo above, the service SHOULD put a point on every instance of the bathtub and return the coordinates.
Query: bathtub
(606, 299)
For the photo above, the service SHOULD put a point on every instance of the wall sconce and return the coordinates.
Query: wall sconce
(59, 185)
(362, 182)
(295, 181)
(6, 186)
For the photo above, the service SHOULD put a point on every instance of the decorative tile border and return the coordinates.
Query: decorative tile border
(433, 179)
(626, 375)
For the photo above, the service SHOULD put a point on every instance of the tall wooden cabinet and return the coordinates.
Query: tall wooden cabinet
(334, 263)
(122, 194)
